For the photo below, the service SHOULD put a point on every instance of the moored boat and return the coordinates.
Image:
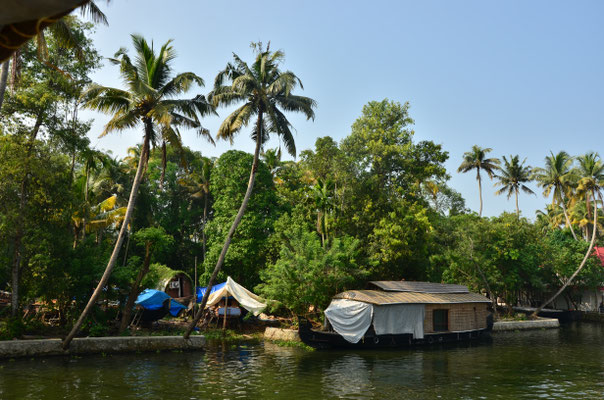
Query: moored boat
(401, 314)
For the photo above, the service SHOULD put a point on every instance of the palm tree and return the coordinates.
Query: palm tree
(197, 183)
(476, 159)
(149, 100)
(323, 196)
(556, 178)
(589, 173)
(265, 90)
(513, 177)
(591, 170)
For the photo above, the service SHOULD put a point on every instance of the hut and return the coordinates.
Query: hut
(177, 284)
(401, 313)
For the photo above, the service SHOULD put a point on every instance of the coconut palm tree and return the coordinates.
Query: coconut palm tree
(512, 178)
(149, 100)
(265, 91)
(591, 183)
(323, 193)
(556, 179)
(476, 159)
(590, 172)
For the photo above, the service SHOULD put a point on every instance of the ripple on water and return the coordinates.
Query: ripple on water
(562, 364)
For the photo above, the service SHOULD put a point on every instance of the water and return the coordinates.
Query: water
(564, 364)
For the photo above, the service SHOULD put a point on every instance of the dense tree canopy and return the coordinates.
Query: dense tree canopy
(375, 205)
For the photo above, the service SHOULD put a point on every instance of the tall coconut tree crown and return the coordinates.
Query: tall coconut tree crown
(477, 159)
(150, 97)
(556, 177)
(513, 177)
(266, 92)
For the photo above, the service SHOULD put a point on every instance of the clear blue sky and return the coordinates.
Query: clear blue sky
(522, 77)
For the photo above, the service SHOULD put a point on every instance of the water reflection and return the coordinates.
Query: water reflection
(566, 363)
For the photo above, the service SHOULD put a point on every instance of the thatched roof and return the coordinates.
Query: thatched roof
(419, 287)
(380, 297)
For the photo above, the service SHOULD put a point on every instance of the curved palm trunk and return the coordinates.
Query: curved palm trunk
(589, 250)
(229, 237)
(127, 312)
(120, 239)
(479, 190)
(568, 219)
(3, 81)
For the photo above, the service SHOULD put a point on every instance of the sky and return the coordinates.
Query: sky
(520, 77)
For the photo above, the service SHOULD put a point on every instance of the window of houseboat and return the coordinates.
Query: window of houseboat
(440, 320)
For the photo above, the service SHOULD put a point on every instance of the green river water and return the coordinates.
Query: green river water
(566, 363)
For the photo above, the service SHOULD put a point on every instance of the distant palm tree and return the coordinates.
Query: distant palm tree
(149, 100)
(265, 90)
(476, 159)
(591, 184)
(272, 159)
(556, 178)
(590, 174)
(323, 195)
(512, 178)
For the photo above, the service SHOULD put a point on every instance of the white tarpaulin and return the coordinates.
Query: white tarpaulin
(349, 318)
(246, 299)
(394, 319)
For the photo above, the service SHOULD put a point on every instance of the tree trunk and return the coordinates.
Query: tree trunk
(17, 251)
(517, 209)
(479, 190)
(127, 312)
(3, 81)
(568, 219)
(120, 239)
(127, 247)
(589, 250)
(229, 237)
(85, 202)
(203, 227)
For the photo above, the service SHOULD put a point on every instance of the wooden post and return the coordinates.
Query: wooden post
(195, 289)
(226, 309)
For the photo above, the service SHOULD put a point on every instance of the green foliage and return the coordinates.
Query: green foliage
(398, 245)
(506, 250)
(248, 250)
(306, 273)
(12, 328)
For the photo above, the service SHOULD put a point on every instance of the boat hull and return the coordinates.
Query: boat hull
(327, 340)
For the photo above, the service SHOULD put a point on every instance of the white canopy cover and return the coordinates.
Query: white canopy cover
(246, 299)
(351, 319)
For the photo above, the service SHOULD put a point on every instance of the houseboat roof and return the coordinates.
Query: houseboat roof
(379, 297)
(419, 287)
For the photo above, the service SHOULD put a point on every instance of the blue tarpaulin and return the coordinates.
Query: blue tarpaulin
(152, 299)
(202, 290)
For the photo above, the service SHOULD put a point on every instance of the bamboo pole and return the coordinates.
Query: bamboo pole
(226, 309)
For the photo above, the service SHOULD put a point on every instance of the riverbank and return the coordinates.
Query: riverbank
(541, 323)
(99, 345)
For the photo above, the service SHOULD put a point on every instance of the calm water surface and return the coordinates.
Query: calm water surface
(564, 364)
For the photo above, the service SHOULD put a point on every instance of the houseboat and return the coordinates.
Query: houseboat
(401, 314)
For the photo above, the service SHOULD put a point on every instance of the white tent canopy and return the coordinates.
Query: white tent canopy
(246, 299)
(351, 319)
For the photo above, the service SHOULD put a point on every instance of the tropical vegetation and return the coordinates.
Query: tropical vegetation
(82, 231)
